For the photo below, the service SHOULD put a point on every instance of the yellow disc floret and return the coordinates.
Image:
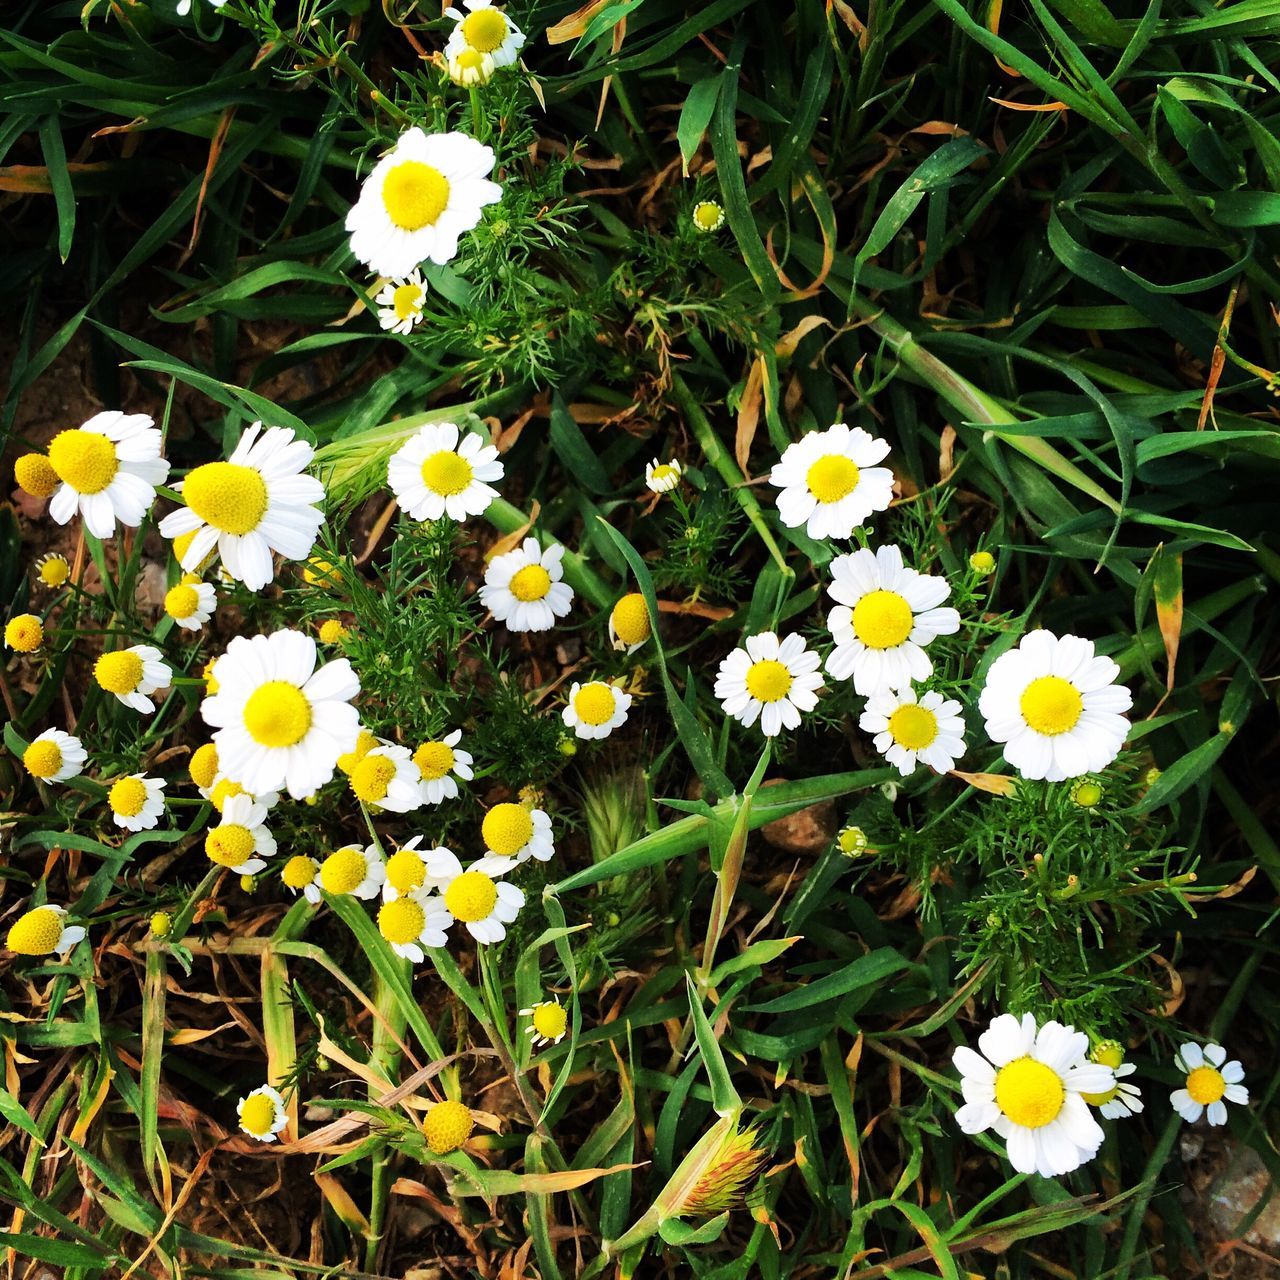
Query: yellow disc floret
(223, 792)
(258, 1114)
(434, 760)
(42, 759)
(485, 29)
(1110, 1053)
(161, 924)
(506, 829)
(832, 478)
(406, 301)
(448, 1124)
(35, 475)
(530, 583)
(470, 896)
(550, 1020)
(371, 778)
(365, 743)
(594, 703)
(230, 845)
(226, 495)
(406, 871)
(204, 765)
(84, 459)
(25, 633)
(1051, 705)
(630, 619)
(982, 562)
(119, 671)
(1206, 1085)
(181, 601)
(277, 714)
(913, 726)
(299, 871)
(53, 570)
(768, 680)
(331, 631)
(415, 194)
(36, 933)
(446, 473)
(344, 871)
(401, 920)
(1087, 793)
(708, 215)
(882, 619)
(1029, 1093)
(127, 797)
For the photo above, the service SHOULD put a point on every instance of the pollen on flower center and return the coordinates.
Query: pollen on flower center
(119, 672)
(550, 1020)
(230, 845)
(299, 871)
(127, 797)
(832, 478)
(485, 29)
(415, 194)
(768, 680)
(42, 759)
(401, 920)
(204, 765)
(882, 619)
(594, 703)
(506, 829)
(1206, 1085)
(344, 871)
(530, 583)
(447, 1126)
(181, 601)
(258, 1114)
(36, 933)
(277, 714)
(446, 473)
(470, 896)
(84, 459)
(631, 619)
(913, 726)
(434, 760)
(1051, 705)
(405, 871)
(226, 495)
(405, 300)
(1029, 1093)
(371, 777)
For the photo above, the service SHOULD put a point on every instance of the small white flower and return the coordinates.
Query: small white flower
(133, 674)
(486, 29)
(411, 921)
(475, 897)
(1121, 1100)
(662, 477)
(438, 762)
(401, 303)
(387, 778)
(351, 869)
(769, 681)
(43, 931)
(223, 789)
(241, 841)
(406, 872)
(629, 625)
(548, 1022)
(515, 833)
(910, 728)
(1210, 1079)
(830, 483)
(470, 68)
(523, 588)
(191, 603)
(262, 1114)
(595, 709)
(136, 802)
(301, 874)
(443, 472)
(54, 756)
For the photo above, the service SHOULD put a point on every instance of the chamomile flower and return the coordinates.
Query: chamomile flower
(136, 802)
(441, 763)
(241, 841)
(332, 631)
(359, 872)
(133, 674)
(35, 475)
(419, 199)
(629, 625)
(301, 874)
(446, 1127)
(1209, 1079)
(365, 742)
(517, 833)
(475, 897)
(486, 29)
(707, 216)
(191, 603)
(548, 1022)
(595, 709)
(830, 483)
(24, 633)
(441, 471)
(387, 778)
(52, 569)
(280, 720)
(1121, 1100)
(523, 588)
(42, 931)
(1055, 706)
(400, 303)
(109, 470)
(54, 756)
(983, 563)
(203, 767)
(409, 922)
(1028, 1085)
(662, 477)
(262, 1114)
(257, 502)
(406, 872)
(470, 68)
(911, 728)
(886, 616)
(224, 789)
(769, 680)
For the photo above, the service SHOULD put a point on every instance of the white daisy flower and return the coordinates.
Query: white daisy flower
(1121, 1100)
(830, 483)
(191, 603)
(109, 470)
(224, 788)
(629, 625)
(419, 199)
(549, 1022)
(54, 756)
(1028, 1086)
(1210, 1079)
(406, 872)
(261, 1113)
(886, 616)
(662, 477)
(523, 588)
(911, 728)
(485, 29)
(441, 471)
(351, 869)
(516, 833)
(438, 763)
(280, 721)
(411, 921)
(53, 569)
(401, 303)
(1056, 707)
(42, 931)
(707, 216)
(241, 841)
(136, 802)
(387, 778)
(301, 874)
(470, 68)
(257, 502)
(133, 674)
(769, 680)
(595, 709)
(475, 897)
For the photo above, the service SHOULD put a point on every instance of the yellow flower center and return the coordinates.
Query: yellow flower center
(344, 871)
(365, 743)
(882, 619)
(35, 475)
(406, 301)
(506, 829)
(210, 684)
(181, 601)
(982, 562)
(595, 703)
(277, 714)
(331, 631)
(54, 571)
(224, 791)
(1051, 705)
(204, 765)
(401, 920)
(485, 29)
(299, 871)
(42, 759)
(84, 459)
(445, 473)
(707, 215)
(405, 871)
(1100, 1099)
(25, 633)
(127, 797)
(415, 194)
(913, 726)
(1110, 1053)
(36, 933)
(258, 1114)
(230, 845)
(631, 619)
(1029, 1093)
(371, 778)
(1087, 793)
(1206, 1085)
(226, 495)
(160, 924)
(447, 1126)
(768, 680)
(319, 573)
(471, 59)
(470, 896)
(530, 583)
(550, 1019)
(434, 760)
(663, 472)
(832, 478)
(119, 672)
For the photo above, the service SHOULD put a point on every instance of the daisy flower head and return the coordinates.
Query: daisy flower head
(160, 925)
(412, 921)
(400, 303)
(441, 471)
(351, 869)
(54, 756)
(133, 674)
(1028, 1084)
(365, 742)
(446, 1127)
(24, 633)
(983, 563)
(257, 502)
(475, 897)
(387, 778)
(52, 569)
(769, 680)
(35, 475)
(332, 631)
(191, 603)
(596, 708)
(1056, 707)
(109, 469)
(830, 483)
(406, 872)
(419, 199)
(523, 588)
(662, 477)
(1210, 1078)
(470, 68)
(241, 841)
(42, 931)
(301, 874)
(629, 625)
(518, 832)
(203, 768)
(886, 615)
(707, 216)
(548, 1022)
(225, 789)
(911, 728)
(1122, 1099)
(136, 802)
(486, 29)
(441, 763)
(261, 1113)
(280, 720)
